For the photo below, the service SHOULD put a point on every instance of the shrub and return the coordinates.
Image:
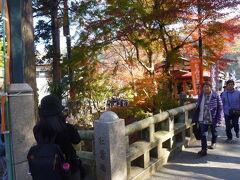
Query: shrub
(130, 112)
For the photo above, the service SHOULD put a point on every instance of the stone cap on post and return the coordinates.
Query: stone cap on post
(108, 116)
(19, 87)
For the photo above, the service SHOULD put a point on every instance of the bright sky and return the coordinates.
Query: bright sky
(40, 46)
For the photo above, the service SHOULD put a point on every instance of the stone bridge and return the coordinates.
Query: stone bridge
(220, 163)
(159, 138)
(165, 149)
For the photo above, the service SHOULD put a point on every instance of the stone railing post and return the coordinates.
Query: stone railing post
(110, 147)
(171, 123)
(22, 120)
(186, 118)
(182, 98)
(151, 132)
(171, 129)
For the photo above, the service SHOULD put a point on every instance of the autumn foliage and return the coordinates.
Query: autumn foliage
(121, 41)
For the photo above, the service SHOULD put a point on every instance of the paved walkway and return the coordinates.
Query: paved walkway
(220, 163)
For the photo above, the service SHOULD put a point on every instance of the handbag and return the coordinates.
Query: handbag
(197, 131)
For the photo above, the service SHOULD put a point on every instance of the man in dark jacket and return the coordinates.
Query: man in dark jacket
(208, 113)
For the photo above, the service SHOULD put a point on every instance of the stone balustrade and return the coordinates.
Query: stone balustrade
(160, 137)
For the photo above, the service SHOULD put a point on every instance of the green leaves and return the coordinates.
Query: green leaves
(1, 54)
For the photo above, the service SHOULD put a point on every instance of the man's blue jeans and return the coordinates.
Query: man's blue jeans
(204, 134)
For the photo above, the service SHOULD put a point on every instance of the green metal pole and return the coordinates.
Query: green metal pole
(9, 156)
(17, 50)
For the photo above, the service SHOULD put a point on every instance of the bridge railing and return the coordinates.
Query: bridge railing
(160, 136)
(87, 156)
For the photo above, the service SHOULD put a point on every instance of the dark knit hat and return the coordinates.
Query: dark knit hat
(50, 105)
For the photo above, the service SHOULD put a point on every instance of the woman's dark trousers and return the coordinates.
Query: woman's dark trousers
(204, 134)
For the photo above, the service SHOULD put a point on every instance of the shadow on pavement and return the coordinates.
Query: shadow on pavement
(193, 158)
(206, 172)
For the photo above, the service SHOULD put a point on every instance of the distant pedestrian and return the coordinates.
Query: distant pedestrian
(231, 108)
(224, 89)
(208, 114)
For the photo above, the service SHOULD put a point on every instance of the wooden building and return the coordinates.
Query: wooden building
(182, 77)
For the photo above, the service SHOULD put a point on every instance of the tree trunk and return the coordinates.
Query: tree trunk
(66, 33)
(55, 42)
(28, 42)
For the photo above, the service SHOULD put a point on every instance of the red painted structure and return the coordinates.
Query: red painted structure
(182, 77)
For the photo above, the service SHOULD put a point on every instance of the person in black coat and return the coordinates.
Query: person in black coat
(52, 127)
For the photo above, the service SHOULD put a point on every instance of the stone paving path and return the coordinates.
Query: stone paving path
(220, 163)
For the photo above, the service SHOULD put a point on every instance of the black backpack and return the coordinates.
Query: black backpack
(45, 162)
